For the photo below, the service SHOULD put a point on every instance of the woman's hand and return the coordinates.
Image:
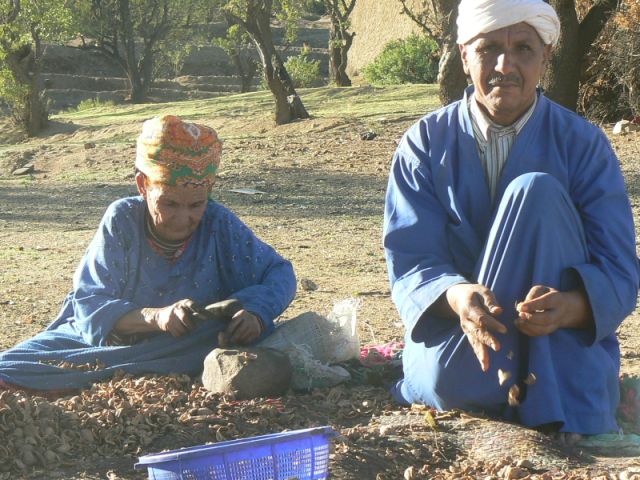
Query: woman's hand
(476, 306)
(545, 310)
(176, 319)
(244, 328)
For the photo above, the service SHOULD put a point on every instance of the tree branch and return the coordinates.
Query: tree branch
(14, 10)
(416, 18)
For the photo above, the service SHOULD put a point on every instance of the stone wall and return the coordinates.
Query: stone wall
(376, 23)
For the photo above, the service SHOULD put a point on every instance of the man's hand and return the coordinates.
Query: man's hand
(175, 319)
(244, 328)
(545, 310)
(476, 306)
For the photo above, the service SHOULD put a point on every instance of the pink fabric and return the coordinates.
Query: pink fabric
(371, 355)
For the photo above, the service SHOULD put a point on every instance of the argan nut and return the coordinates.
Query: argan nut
(503, 376)
(514, 396)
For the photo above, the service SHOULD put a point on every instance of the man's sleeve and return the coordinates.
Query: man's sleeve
(611, 276)
(419, 263)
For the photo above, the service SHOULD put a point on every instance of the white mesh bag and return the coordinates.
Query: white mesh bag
(313, 343)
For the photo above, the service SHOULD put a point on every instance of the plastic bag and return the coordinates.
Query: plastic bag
(313, 343)
(344, 324)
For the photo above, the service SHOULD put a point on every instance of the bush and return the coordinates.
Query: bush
(303, 72)
(412, 60)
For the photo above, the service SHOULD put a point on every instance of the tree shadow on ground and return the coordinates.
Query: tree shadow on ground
(290, 193)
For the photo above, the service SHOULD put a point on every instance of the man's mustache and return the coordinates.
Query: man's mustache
(508, 78)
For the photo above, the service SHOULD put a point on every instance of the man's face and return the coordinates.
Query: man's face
(505, 66)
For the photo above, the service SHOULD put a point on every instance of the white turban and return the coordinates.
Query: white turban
(484, 16)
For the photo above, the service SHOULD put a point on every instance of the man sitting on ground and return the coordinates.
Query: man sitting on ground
(510, 241)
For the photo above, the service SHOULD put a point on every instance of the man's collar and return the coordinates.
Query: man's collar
(484, 123)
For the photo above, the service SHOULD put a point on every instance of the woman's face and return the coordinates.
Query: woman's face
(175, 210)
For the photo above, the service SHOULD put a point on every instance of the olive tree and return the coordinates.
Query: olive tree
(24, 27)
(236, 43)
(135, 32)
(340, 39)
(255, 16)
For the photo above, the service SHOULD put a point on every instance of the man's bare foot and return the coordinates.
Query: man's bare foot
(567, 439)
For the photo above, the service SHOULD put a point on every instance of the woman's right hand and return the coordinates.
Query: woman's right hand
(476, 306)
(176, 319)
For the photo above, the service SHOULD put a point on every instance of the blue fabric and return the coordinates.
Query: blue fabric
(120, 273)
(562, 218)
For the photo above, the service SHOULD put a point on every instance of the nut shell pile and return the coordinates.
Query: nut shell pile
(109, 425)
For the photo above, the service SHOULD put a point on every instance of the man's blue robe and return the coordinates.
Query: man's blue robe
(120, 272)
(561, 218)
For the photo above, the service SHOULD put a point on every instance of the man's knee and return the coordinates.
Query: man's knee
(536, 184)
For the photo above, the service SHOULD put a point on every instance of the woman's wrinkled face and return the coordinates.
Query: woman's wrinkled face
(505, 66)
(175, 211)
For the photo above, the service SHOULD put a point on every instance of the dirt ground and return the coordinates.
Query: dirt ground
(322, 208)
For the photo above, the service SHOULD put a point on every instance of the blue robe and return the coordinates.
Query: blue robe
(120, 272)
(561, 218)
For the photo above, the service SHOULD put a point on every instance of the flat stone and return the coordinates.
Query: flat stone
(27, 169)
(247, 373)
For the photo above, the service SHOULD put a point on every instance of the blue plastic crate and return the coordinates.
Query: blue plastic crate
(294, 455)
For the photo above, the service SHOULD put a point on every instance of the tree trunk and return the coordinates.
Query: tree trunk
(246, 69)
(247, 76)
(561, 81)
(138, 92)
(339, 44)
(562, 78)
(31, 113)
(288, 104)
(451, 77)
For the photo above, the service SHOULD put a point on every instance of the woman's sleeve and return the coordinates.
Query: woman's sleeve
(100, 281)
(258, 276)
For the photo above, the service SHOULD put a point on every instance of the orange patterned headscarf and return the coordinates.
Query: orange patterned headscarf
(174, 152)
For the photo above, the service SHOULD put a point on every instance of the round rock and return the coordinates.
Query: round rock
(247, 373)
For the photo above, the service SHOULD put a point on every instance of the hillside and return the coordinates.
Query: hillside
(72, 74)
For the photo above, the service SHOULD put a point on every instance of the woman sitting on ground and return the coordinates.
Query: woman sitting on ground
(154, 262)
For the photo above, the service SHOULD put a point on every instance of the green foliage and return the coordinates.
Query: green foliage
(288, 12)
(303, 72)
(236, 38)
(94, 103)
(149, 38)
(314, 9)
(169, 61)
(413, 60)
(37, 21)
